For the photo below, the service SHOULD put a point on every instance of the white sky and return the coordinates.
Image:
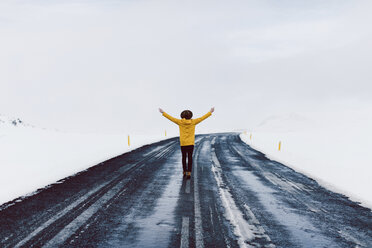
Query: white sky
(106, 66)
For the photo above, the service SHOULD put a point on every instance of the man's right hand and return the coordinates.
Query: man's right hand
(212, 110)
(160, 110)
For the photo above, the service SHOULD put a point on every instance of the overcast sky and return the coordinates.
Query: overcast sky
(106, 66)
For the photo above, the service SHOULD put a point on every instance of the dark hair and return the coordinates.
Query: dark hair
(187, 114)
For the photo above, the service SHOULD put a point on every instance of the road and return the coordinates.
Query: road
(236, 197)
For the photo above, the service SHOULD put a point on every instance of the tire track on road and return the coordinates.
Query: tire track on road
(245, 225)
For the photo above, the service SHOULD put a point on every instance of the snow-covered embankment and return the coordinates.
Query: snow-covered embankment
(334, 151)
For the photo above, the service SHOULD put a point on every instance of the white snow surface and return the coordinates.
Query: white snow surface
(333, 149)
(32, 158)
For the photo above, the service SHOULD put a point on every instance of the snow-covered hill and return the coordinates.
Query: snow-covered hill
(32, 157)
(285, 123)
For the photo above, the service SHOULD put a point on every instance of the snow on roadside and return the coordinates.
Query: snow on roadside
(335, 151)
(32, 158)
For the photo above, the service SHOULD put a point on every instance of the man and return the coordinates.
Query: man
(187, 136)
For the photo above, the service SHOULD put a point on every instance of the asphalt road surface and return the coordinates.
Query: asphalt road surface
(236, 197)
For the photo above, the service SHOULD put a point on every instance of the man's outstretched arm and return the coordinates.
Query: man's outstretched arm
(175, 120)
(200, 119)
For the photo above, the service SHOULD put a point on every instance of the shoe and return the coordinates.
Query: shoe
(188, 174)
(184, 173)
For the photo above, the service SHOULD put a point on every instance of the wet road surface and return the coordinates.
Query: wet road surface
(236, 197)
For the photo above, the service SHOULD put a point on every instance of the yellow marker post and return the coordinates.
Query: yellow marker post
(128, 140)
(250, 137)
(280, 145)
(165, 132)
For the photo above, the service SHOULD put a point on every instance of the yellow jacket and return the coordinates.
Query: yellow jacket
(187, 128)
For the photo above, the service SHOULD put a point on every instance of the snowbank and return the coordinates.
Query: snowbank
(335, 150)
(32, 158)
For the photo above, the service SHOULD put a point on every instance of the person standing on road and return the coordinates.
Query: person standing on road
(187, 136)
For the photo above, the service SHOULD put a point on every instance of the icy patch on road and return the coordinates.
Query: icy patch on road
(155, 230)
(347, 236)
(155, 149)
(245, 231)
(303, 232)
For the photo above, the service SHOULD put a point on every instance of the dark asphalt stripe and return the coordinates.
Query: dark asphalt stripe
(187, 188)
(197, 213)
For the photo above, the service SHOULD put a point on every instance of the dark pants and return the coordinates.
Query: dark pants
(187, 152)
